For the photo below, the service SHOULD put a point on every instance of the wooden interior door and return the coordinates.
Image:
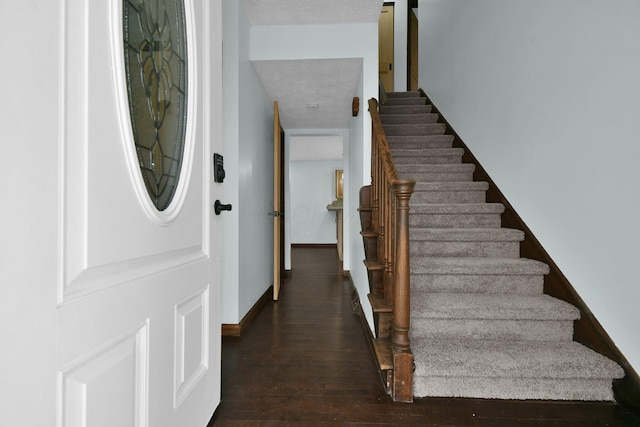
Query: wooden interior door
(385, 47)
(138, 326)
(278, 202)
(413, 52)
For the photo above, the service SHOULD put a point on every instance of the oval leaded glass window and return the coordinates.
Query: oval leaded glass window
(155, 54)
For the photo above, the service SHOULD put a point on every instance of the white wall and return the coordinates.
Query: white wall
(313, 161)
(359, 176)
(29, 187)
(294, 136)
(545, 93)
(312, 189)
(248, 151)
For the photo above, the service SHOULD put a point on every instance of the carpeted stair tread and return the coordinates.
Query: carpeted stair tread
(470, 265)
(451, 186)
(405, 109)
(404, 94)
(407, 100)
(437, 172)
(454, 167)
(520, 359)
(419, 142)
(447, 191)
(456, 208)
(491, 307)
(454, 215)
(512, 370)
(478, 284)
(415, 129)
(427, 156)
(492, 329)
(465, 242)
(412, 152)
(437, 176)
(422, 139)
(466, 234)
(586, 389)
(416, 118)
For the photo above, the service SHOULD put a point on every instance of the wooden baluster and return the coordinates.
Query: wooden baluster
(374, 182)
(382, 230)
(389, 256)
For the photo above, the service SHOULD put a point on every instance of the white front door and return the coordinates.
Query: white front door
(131, 335)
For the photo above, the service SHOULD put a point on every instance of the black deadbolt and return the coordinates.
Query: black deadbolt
(218, 168)
(219, 207)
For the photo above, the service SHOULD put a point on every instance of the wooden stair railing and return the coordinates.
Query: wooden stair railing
(390, 221)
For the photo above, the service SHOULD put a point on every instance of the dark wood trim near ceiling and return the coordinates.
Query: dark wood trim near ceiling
(587, 329)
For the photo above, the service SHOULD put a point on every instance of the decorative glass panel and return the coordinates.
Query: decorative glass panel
(155, 50)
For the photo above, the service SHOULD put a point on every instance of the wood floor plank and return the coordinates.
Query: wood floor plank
(304, 361)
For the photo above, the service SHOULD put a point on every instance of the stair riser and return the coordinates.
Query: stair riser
(365, 220)
(453, 220)
(405, 94)
(406, 109)
(420, 140)
(465, 249)
(408, 130)
(376, 284)
(477, 283)
(413, 100)
(437, 176)
(481, 329)
(441, 197)
(400, 119)
(420, 145)
(507, 388)
(383, 324)
(427, 160)
(371, 248)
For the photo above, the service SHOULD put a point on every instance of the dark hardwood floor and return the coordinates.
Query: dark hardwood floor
(304, 361)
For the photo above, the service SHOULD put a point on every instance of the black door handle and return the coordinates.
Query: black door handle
(219, 207)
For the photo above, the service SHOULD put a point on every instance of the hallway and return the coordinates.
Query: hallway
(304, 361)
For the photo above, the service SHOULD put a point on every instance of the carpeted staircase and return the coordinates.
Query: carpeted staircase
(480, 323)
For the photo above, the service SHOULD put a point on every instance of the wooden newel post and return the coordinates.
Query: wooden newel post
(403, 358)
(400, 340)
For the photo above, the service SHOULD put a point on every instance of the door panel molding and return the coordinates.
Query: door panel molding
(96, 279)
(192, 327)
(122, 364)
(96, 110)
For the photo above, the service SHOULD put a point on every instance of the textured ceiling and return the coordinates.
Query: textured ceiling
(304, 12)
(311, 94)
(330, 83)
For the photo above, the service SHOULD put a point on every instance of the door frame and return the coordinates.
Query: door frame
(389, 6)
(278, 201)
